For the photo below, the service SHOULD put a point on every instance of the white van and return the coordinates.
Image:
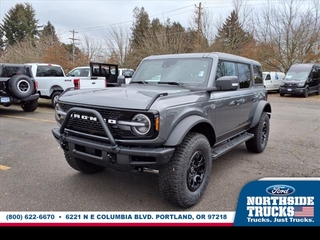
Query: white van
(273, 80)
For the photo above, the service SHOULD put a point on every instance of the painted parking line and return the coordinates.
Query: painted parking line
(27, 118)
(2, 167)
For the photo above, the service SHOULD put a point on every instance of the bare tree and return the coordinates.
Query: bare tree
(201, 22)
(28, 50)
(288, 33)
(21, 52)
(117, 44)
(244, 11)
(93, 47)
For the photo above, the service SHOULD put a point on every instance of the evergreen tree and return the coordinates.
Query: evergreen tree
(140, 27)
(140, 30)
(69, 49)
(49, 31)
(1, 41)
(231, 37)
(19, 24)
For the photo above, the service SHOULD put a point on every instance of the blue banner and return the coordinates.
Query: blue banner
(279, 202)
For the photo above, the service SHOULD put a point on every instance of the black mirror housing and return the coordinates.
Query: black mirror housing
(227, 83)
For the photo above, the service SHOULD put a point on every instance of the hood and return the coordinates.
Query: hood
(130, 96)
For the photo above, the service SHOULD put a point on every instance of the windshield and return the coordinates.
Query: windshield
(182, 72)
(298, 72)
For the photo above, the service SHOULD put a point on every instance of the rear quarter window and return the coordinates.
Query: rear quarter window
(258, 75)
(49, 71)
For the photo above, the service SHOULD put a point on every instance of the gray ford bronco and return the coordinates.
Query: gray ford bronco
(178, 113)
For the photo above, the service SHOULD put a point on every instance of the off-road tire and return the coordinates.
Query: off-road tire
(54, 97)
(184, 179)
(258, 143)
(21, 86)
(81, 165)
(29, 106)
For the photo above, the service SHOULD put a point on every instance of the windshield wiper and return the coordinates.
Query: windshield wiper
(173, 83)
(140, 82)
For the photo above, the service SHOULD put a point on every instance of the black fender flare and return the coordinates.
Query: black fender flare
(182, 128)
(263, 106)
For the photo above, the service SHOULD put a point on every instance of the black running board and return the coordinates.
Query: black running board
(222, 149)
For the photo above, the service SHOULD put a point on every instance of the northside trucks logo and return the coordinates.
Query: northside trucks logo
(280, 206)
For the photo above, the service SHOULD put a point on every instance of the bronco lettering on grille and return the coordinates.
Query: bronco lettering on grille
(91, 118)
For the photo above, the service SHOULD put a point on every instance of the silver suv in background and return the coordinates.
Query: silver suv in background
(301, 79)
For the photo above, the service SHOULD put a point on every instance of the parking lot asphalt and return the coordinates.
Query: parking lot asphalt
(35, 177)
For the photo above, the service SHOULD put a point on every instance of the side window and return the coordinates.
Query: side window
(225, 69)
(316, 72)
(258, 75)
(41, 71)
(85, 72)
(57, 71)
(244, 75)
(49, 71)
(75, 73)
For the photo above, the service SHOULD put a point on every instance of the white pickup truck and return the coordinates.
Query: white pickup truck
(52, 80)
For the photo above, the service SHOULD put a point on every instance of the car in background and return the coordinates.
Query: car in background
(82, 71)
(301, 79)
(273, 80)
(127, 73)
(18, 86)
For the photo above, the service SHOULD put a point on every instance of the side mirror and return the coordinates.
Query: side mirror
(227, 83)
(121, 80)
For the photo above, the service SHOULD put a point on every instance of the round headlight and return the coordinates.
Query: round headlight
(143, 124)
(59, 114)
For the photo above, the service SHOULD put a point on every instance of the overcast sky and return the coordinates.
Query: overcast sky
(95, 18)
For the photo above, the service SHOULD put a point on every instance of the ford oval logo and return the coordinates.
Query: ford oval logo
(280, 190)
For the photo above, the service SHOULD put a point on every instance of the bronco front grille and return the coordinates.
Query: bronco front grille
(94, 127)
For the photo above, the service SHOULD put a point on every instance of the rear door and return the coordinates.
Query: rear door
(248, 97)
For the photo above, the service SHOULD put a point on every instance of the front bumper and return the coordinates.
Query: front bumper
(290, 90)
(106, 151)
(104, 154)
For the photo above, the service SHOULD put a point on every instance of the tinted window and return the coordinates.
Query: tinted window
(226, 69)
(244, 75)
(9, 71)
(258, 75)
(85, 72)
(49, 71)
(315, 72)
